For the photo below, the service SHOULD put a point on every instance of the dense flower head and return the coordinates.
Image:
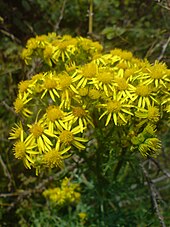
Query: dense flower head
(79, 87)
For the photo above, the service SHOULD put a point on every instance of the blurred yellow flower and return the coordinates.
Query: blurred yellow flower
(67, 194)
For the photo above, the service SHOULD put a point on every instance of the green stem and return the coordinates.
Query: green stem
(119, 163)
(101, 181)
(90, 17)
(121, 158)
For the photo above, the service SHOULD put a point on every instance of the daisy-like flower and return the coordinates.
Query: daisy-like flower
(130, 73)
(143, 94)
(88, 45)
(100, 59)
(125, 56)
(158, 75)
(151, 113)
(80, 115)
(67, 89)
(53, 117)
(151, 147)
(20, 102)
(17, 132)
(24, 149)
(24, 86)
(104, 81)
(165, 102)
(66, 136)
(65, 48)
(50, 85)
(42, 40)
(26, 55)
(31, 44)
(48, 53)
(116, 110)
(55, 156)
(122, 86)
(85, 74)
(39, 133)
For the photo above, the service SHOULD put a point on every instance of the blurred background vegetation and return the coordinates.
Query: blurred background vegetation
(139, 26)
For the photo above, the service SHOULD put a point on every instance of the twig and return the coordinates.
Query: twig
(11, 36)
(8, 107)
(154, 196)
(56, 26)
(164, 47)
(5, 195)
(165, 6)
(160, 168)
(35, 65)
(6, 173)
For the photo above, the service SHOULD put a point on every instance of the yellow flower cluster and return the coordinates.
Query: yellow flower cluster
(60, 50)
(67, 194)
(57, 105)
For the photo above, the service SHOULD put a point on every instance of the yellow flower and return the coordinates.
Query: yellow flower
(123, 54)
(152, 113)
(53, 117)
(24, 86)
(151, 147)
(104, 81)
(79, 115)
(39, 134)
(17, 132)
(55, 156)
(123, 87)
(48, 53)
(19, 104)
(158, 75)
(25, 150)
(64, 49)
(67, 89)
(130, 73)
(26, 55)
(116, 109)
(50, 85)
(85, 74)
(32, 44)
(89, 46)
(144, 95)
(66, 136)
